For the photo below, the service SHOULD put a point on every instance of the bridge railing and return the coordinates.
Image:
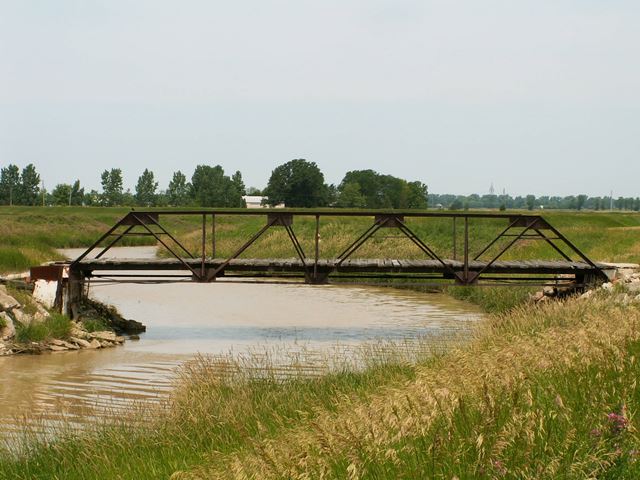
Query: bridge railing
(462, 264)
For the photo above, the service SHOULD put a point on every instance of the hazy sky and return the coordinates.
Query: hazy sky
(536, 96)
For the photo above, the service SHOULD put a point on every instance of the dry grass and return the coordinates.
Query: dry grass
(550, 340)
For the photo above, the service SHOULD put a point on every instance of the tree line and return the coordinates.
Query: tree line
(531, 202)
(297, 183)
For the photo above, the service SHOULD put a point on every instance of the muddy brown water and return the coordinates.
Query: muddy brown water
(187, 319)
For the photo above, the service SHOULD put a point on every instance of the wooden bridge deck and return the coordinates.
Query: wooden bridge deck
(295, 265)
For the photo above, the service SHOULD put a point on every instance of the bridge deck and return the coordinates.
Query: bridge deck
(295, 265)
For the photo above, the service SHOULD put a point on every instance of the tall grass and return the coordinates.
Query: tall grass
(55, 326)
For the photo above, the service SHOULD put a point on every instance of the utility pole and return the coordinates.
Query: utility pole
(42, 192)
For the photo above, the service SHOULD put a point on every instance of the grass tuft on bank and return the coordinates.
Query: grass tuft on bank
(55, 326)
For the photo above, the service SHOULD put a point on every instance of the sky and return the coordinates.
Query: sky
(532, 96)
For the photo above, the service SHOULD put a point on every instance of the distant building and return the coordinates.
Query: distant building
(256, 201)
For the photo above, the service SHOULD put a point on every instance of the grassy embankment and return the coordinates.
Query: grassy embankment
(31, 235)
(545, 391)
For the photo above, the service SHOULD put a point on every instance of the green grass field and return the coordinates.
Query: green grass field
(539, 392)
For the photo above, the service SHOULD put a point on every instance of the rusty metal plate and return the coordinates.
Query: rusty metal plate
(392, 220)
(524, 222)
(280, 219)
(47, 272)
(134, 218)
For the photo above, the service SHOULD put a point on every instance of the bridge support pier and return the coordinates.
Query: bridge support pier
(319, 277)
(74, 293)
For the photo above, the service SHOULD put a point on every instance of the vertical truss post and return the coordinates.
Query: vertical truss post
(466, 250)
(213, 235)
(454, 239)
(317, 249)
(204, 244)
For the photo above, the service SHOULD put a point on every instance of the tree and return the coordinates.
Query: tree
(350, 196)
(146, 189)
(9, 181)
(530, 201)
(580, 201)
(61, 194)
(178, 191)
(254, 191)
(417, 195)
(112, 187)
(236, 178)
(210, 187)
(29, 187)
(369, 182)
(77, 194)
(386, 191)
(456, 204)
(297, 183)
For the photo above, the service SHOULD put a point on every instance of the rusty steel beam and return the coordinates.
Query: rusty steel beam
(378, 224)
(270, 223)
(171, 251)
(466, 272)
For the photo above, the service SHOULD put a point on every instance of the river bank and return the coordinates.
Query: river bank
(28, 327)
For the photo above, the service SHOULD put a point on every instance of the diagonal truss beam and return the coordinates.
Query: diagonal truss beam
(212, 275)
(196, 274)
(360, 240)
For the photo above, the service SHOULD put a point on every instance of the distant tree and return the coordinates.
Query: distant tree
(254, 191)
(236, 178)
(29, 187)
(297, 183)
(210, 187)
(77, 194)
(580, 201)
(146, 189)
(370, 186)
(92, 198)
(530, 202)
(112, 187)
(386, 191)
(351, 197)
(61, 194)
(456, 204)
(9, 184)
(417, 195)
(128, 198)
(636, 204)
(178, 191)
